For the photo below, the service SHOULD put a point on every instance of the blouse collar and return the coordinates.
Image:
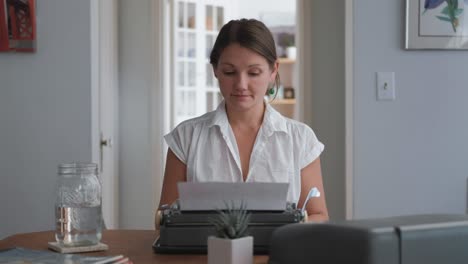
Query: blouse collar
(273, 121)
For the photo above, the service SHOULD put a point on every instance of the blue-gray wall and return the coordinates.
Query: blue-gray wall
(45, 114)
(411, 154)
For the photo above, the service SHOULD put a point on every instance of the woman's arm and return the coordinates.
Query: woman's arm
(311, 176)
(176, 171)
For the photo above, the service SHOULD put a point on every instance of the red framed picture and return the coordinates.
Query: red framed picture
(17, 25)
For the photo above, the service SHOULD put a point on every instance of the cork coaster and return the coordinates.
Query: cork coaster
(55, 246)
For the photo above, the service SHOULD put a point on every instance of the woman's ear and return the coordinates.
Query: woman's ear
(274, 72)
(214, 71)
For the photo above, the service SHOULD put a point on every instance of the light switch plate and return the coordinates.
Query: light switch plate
(385, 86)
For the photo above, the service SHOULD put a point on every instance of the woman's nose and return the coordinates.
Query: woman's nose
(241, 82)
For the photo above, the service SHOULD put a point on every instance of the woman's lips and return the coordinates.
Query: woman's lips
(241, 97)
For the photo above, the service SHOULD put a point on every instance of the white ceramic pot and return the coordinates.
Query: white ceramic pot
(291, 52)
(230, 251)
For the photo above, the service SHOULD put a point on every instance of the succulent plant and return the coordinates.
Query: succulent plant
(285, 39)
(232, 222)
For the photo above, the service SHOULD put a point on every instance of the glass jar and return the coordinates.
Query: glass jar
(78, 206)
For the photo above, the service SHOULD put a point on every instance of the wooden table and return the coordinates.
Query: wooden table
(135, 244)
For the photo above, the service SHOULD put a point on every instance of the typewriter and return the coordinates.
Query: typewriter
(188, 231)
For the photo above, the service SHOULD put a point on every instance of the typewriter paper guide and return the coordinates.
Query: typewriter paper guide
(260, 196)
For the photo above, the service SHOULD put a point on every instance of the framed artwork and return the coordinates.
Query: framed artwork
(436, 24)
(17, 26)
(288, 93)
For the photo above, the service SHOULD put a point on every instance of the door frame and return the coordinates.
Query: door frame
(104, 103)
(160, 95)
(305, 80)
(349, 108)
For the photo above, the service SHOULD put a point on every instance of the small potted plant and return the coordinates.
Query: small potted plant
(286, 41)
(232, 244)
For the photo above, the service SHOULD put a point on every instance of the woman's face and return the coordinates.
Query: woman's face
(244, 77)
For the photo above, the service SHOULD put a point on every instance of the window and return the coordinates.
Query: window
(194, 88)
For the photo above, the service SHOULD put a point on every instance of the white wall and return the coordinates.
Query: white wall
(411, 154)
(45, 114)
(259, 9)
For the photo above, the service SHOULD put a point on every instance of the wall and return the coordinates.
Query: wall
(135, 76)
(411, 154)
(45, 114)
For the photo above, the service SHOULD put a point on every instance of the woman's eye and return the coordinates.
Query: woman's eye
(228, 73)
(254, 73)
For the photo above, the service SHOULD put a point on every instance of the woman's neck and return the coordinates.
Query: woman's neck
(252, 118)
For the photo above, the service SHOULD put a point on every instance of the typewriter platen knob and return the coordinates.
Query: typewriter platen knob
(158, 219)
(159, 216)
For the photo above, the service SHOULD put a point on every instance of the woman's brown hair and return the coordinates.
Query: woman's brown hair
(249, 33)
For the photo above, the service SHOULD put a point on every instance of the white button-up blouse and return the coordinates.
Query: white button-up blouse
(207, 146)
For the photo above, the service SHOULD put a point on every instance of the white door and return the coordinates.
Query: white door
(195, 25)
(104, 85)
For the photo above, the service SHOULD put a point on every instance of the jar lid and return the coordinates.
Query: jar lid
(77, 168)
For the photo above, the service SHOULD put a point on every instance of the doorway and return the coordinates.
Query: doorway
(192, 30)
(317, 76)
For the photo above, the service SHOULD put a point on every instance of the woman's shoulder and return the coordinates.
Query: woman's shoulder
(196, 122)
(295, 127)
(295, 124)
(304, 137)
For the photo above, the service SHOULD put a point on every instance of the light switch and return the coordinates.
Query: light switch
(385, 86)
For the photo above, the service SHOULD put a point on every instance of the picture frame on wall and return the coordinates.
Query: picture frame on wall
(17, 26)
(436, 24)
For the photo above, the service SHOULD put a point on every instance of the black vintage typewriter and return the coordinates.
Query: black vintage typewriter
(188, 231)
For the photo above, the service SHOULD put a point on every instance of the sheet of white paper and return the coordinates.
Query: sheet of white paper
(263, 196)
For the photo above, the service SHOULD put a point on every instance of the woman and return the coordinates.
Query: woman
(245, 139)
